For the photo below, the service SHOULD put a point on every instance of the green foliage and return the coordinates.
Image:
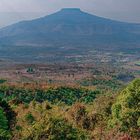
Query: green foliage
(126, 110)
(62, 94)
(7, 118)
(103, 84)
(55, 128)
(70, 95)
(10, 114)
(101, 109)
(29, 118)
(2, 81)
(30, 70)
(18, 128)
(4, 132)
(66, 113)
(61, 130)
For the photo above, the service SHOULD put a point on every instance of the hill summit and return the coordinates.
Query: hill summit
(68, 23)
(71, 27)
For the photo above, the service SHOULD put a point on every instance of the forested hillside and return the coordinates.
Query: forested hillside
(69, 113)
(67, 32)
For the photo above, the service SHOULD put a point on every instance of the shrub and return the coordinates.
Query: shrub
(29, 118)
(4, 131)
(55, 129)
(126, 110)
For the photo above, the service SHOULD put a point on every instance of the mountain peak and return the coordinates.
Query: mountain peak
(71, 9)
(69, 26)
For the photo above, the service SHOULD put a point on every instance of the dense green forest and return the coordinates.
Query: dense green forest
(69, 113)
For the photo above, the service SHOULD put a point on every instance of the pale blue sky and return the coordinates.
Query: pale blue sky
(12, 11)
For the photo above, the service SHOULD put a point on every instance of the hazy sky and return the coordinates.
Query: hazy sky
(12, 11)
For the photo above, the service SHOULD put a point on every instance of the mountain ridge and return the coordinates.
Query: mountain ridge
(70, 26)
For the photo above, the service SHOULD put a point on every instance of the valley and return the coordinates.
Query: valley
(85, 70)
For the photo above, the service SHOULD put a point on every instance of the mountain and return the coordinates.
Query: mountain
(68, 24)
(71, 27)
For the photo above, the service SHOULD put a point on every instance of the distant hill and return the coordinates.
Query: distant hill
(74, 28)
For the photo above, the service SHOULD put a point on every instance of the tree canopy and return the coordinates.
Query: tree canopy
(126, 110)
